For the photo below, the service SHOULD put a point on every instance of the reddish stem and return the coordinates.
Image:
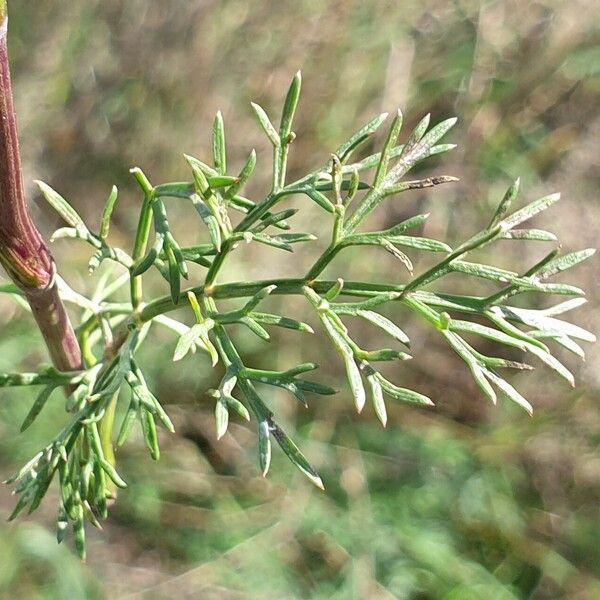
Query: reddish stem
(23, 251)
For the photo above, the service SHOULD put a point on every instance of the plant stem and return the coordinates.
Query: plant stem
(142, 234)
(23, 252)
(243, 289)
(322, 262)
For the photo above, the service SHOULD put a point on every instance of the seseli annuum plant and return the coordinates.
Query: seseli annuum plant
(103, 368)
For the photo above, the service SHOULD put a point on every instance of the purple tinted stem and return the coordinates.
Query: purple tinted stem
(23, 251)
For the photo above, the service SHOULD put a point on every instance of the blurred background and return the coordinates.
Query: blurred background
(465, 501)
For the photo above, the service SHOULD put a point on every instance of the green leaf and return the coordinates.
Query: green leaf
(295, 455)
(390, 142)
(239, 408)
(221, 418)
(211, 222)
(258, 298)
(417, 133)
(384, 323)
(441, 148)
(150, 433)
(136, 381)
(146, 262)
(289, 108)
(21, 504)
(243, 177)
(62, 522)
(276, 219)
(360, 137)
(495, 316)
(285, 322)
(415, 221)
(221, 181)
(196, 337)
(219, 154)
(534, 235)
(205, 169)
(335, 290)
(314, 387)
(351, 308)
(354, 381)
(564, 307)
(386, 354)
(302, 368)
(528, 212)
(354, 187)
(487, 332)
(553, 363)
(403, 394)
(108, 211)
(562, 263)
(396, 253)
(479, 375)
(413, 154)
(352, 371)
(79, 534)
(255, 328)
(418, 184)
(371, 161)
(266, 124)
(319, 198)
(75, 234)
(264, 446)
(268, 240)
(564, 341)
(377, 397)
(112, 473)
(435, 134)
(504, 206)
(479, 371)
(128, 421)
(37, 407)
(208, 216)
(295, 238)
(288, 381)
(180, 189)
(225, 401)
(193, 300)
(62, 207)
(375, 237)
(510, 391)
(483, 271)
(554, 288)
(421, 243)
(543, 322)
(174, 282)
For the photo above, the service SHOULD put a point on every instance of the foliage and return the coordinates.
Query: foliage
(111, 332)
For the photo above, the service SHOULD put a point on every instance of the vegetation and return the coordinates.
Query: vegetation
(112, 328)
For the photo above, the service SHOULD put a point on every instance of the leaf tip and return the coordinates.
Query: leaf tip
(318, 482)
